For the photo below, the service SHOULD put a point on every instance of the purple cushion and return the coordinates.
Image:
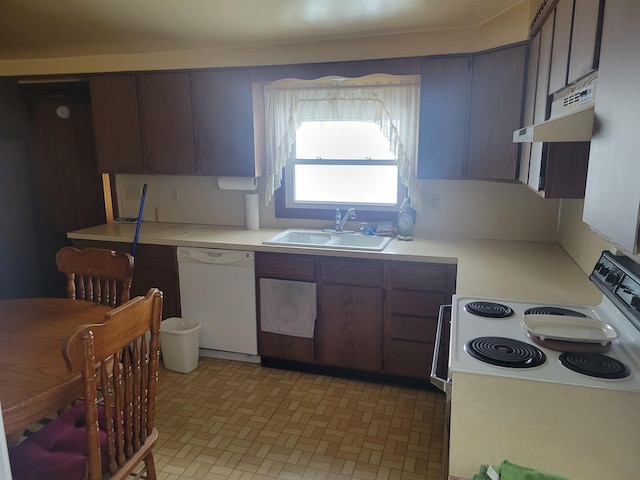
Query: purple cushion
(59, 450)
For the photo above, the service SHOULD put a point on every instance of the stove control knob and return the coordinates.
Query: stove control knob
(604, 271)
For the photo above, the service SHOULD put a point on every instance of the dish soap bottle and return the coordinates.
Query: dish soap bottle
(405, 221)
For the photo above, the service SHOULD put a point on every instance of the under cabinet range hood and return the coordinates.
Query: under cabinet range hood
(571, 120)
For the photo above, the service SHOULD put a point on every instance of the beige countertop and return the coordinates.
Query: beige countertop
(516, 270)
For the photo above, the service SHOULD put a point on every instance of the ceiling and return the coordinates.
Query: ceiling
(31, 29)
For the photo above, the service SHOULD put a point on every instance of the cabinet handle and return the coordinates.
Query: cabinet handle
(440, 383)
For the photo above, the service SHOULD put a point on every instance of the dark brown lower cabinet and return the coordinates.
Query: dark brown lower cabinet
(415, 292)
(284, 267)
(154, 266)
(375, 316)
(350, 326)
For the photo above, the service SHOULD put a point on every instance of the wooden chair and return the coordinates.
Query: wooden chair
(112, 435)
(96, 274)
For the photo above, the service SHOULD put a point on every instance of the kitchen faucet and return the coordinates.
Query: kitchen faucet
(340, 221)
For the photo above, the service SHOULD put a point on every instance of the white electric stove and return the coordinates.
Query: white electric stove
(488, 336)
(535, 410)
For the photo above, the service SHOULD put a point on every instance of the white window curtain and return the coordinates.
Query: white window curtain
(390, 101)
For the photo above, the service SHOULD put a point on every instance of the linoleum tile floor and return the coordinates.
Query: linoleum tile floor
(238, 420)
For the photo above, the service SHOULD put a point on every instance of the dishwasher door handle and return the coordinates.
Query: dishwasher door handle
(438, 382)
(214, 256)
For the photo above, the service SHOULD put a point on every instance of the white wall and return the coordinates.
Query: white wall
(467, 209)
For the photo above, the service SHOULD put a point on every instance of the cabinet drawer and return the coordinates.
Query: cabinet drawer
(285, 266)
(409, 359)
(416, 303)
(352, 272)
(420, 277)
(413, 328)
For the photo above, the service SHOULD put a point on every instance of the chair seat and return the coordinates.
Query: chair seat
(59, 450)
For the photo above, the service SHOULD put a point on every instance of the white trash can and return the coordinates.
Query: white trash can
(180, 344)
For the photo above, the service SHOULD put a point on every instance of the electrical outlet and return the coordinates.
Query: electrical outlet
(133, 192)
(173, 193)
(432, 201)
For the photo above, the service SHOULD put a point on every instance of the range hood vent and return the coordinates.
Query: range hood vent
(571, 120)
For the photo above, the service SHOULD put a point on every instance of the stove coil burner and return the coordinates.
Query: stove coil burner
(595, 365)
(553, 311)
(489, 309)
(505, 352)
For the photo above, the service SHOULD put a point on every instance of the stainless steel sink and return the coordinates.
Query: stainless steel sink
(320, 239)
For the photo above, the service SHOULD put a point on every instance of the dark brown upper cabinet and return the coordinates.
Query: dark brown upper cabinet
(223, 122)
(586, 36)
(468, 109)
(166, 122)
(445, 94)
(561, 44)
(577, 32)
(114, 105)
(496, 106)
(143, 123)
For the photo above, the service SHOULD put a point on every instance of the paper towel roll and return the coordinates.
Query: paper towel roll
(251, 211)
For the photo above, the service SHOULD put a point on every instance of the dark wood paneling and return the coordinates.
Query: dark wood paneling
(496, 101)
(68, 184)
(166, 122)
(20, 272)
(114, 104)
(444, 117)
(223, 122)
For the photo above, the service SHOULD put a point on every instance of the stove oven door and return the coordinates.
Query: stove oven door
(440, 374)
(440, 361)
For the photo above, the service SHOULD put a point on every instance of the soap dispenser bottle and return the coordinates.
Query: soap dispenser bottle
(405, 221)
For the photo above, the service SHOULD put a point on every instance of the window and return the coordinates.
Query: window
(339, 144)
(339, 163)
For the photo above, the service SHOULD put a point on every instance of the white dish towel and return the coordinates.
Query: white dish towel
(288, 307)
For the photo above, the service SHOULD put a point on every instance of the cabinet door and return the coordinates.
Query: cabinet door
(542, 105)
(444, 116)
(561, 42)
(284, 267)
(529, 105)
(349, 327)
(166, 121)
(223, 122)
(496, 106)
(585, 38)
(564, 168)
(350, 324)
(612, 197)
(114, 104)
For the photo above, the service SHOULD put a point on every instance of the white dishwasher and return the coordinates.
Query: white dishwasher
(217, 288)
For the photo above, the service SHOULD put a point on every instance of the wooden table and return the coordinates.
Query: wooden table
(34, 380)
